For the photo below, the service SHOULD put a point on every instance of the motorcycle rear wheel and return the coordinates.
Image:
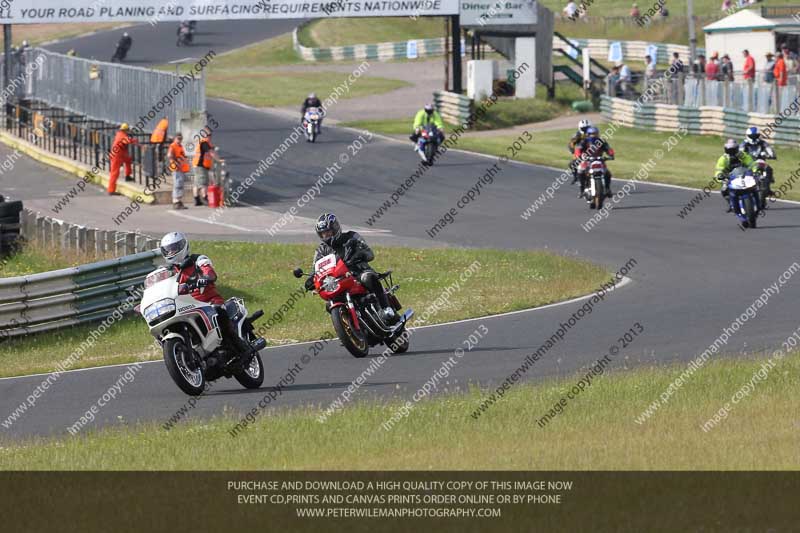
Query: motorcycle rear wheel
(355, 341)
(182, 367)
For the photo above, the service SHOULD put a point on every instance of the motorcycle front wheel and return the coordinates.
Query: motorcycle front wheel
(430, 149)
(399, 344)
(183, 367)
(750, 212)
(252, 377)
(354, 340)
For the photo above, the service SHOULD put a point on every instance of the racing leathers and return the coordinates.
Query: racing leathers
(351, 248)
(725, 164)
(591, 148)
(198, 273)
(573, 143)
(311, 102)
(761, 150)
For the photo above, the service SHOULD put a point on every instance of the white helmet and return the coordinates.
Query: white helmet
(175, 248)
(584, 124)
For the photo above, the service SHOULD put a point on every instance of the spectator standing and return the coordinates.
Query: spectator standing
(712, 68)
(779, 71)
(612, 81)
(749, 71)
(625, 79)
(699, 66)
(570, 10)
(649, 67)
(769, 76)
(726, 69)
(180, 166)
(677, 64)
(635, 15)
(726, 5)
(790, 58)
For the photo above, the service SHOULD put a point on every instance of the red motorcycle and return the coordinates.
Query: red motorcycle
(355, 311)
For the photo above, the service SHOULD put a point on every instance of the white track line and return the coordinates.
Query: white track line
(625, 281)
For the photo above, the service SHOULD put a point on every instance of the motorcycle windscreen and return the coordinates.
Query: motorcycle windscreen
(325, 264)
(159, 274)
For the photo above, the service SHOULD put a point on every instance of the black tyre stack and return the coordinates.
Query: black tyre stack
(10, 213)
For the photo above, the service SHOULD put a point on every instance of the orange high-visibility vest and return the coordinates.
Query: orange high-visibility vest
(160, 133)
(207, 159)
(178, 153)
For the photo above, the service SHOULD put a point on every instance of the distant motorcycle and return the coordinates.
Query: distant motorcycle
(123, 46)
(185, 34)
(312, 123)
(744, 196)
(428, 143)
(595, 171)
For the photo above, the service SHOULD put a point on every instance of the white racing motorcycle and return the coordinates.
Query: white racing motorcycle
(190, 336)
(311, 123)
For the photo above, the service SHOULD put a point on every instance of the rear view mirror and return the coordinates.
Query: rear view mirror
(298, 272)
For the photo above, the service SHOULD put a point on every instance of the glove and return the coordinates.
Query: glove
(309, 284)
(720, 177)
(202, 282)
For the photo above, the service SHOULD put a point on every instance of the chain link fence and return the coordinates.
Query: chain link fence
(110, 92)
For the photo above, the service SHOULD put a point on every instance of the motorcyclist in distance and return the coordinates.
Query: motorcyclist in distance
(732, 157)
(591, 147)
(312, 101)
(424, 117)
(579, 136)
(351, 248)
(755, 145)
(197, 273)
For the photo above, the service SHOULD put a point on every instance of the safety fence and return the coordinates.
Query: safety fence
(71, 296)
(705, 120)
(379, 51)
(746, 96)
(82, 139)
(454, 108)
(598, 49)
(631, 50)
(109, 92)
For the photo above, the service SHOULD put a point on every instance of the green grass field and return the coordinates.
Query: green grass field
(261, 274)
(341, 32)
(595, 431)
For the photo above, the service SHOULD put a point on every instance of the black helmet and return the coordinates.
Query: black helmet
(429, 108)
(731, 148)
(328, 228)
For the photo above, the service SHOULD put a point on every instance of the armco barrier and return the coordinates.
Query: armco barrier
(454, 108)
(379, 51)
(52, 232)
(698, 120)
(71, 296)
(598, 49)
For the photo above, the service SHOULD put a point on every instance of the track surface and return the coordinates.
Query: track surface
(692, 278)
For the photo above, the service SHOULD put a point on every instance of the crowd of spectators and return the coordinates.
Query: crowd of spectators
(776, 67)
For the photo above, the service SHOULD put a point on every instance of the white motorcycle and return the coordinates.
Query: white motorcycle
(189, 334)
(311, 123)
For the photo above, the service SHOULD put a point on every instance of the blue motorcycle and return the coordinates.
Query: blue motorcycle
(743, 196)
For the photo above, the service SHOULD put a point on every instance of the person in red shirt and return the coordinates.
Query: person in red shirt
(197, 274)
(712, 67)
(779, 71)
(119, 156)
(749, 66)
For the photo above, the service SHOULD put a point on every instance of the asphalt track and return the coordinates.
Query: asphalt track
(692, 278)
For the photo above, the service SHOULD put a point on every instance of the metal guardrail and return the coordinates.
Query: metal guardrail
(706, 120)
(71, 296)
(454, 108)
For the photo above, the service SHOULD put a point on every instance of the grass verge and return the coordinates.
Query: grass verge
(342, 32)
(689, 163)
(507, 112)
(254, 76)
(595, 431)
(261, 274)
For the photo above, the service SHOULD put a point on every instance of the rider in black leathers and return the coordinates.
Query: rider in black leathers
(758, 148)
(356, 253)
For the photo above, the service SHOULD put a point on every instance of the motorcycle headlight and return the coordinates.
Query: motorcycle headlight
(160, 308)
(330, 284)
